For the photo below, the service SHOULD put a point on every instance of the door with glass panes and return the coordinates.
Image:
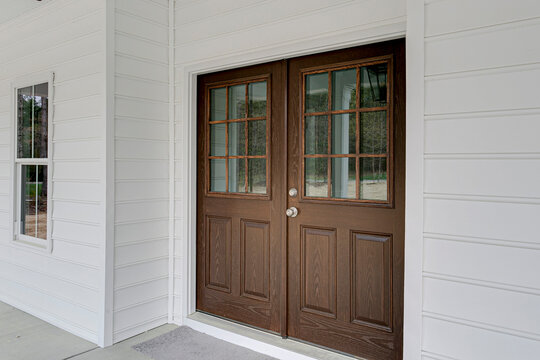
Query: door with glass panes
(301, 198)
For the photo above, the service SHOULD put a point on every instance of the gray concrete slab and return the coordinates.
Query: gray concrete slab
(24, 337)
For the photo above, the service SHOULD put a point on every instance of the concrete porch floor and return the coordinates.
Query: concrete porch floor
(24, 337)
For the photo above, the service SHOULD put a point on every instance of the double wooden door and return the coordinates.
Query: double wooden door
(300, 220)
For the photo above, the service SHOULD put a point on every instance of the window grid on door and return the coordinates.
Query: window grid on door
(238, 138)
(363, 109)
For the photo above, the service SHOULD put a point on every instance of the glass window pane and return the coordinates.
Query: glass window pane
(218, 103)
(373, 85)
(344, 133)
(316, 92)
(237, 102)
(237, 175)
(41, 102)
(217, 140)
(316, 177)
(344, 178)
(344, 89)
(373, 132)
(257, 137)
(217, 175)
(237, 138)
(316, 135)
(41, 202)
(257, 176)
(257, 99)
(24, 122)
(373, 182)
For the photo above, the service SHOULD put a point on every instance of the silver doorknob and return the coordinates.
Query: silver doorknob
(291, 212)
(293, 192)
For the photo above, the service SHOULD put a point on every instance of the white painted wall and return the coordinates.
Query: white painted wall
(482, 164)
(141, 226)
(64, 287)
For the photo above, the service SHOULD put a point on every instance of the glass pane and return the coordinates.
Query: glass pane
(34, 201)
(218, 103)
(344, 134)
(317, 92)
(29, 191)
(257, 137)
(316, 135)
(257, 176)
(373, 85)
(257, 99)
(24, 122)
(237, 175)
(316, 173)
(237, 138)
(41, 203)
(41, 102)
(344, 89)
(217, 140)
(373, 132)
(217, 175)
(373, 183)
(344, 178)
(237, 102)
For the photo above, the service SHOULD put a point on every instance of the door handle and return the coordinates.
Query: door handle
(291, 212)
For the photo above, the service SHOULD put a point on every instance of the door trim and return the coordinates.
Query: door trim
(414, 209)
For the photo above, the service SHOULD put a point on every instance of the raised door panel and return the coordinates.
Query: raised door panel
(371, 286)
(218, 261)
(318, 264)
(255, 269)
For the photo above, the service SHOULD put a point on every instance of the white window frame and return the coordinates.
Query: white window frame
(18, 238)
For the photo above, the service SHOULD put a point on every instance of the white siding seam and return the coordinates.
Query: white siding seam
(76, 201)
(75, 99)
(140, 119)
(79, 222)
(80, 181)
(147, 140)
(157, 4)
(483, 71)
(135, 180)
(140, 99)
(482, 114)
(135, 284)
(487, 241)
(138, 242)
(141, 79)
(482, 283)
(140, 38)
(78, 78)
(48, 293)
(141, 18)
(79, 243)
(529, 200)
(229, 11)
(483, 326)
(156, 318)
(479, 29)
(142, 201)
(139, 58)
(55, 47)
(482, 156)
(77, 119)
(139, 262)
(88, 139)
(137, 304)
(433, 355)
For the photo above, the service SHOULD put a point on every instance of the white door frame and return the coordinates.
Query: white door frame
(414, 139)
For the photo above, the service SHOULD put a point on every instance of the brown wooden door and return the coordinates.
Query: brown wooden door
(332, 127)
(346, 157)
(240, 211)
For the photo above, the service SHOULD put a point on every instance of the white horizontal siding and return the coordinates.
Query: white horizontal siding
(61, 287)
(482, 162)
(141, 167)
